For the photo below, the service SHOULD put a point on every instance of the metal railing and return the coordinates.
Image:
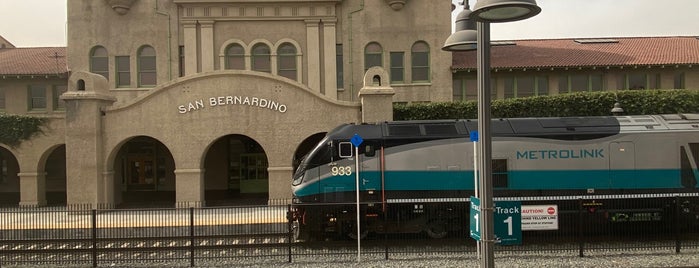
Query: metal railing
(84, 236)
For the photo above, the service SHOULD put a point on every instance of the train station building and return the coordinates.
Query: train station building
(203, 103)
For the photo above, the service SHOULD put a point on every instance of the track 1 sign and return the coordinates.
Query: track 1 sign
(475, 231)
(508, 222)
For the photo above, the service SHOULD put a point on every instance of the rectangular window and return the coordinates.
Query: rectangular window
(500, 175)
(339, 60)
(596, 82)
(679, 81)
(2, 98)
(37, 97)
(466, 89)
(578, 83)
(421, 66)
(123, 67)
(181, 54)
(397, 67)
(509, 87)
(636, 81)
(525, 86)
(147, 73)
(59, 104)
(458, 90)
(542, 85)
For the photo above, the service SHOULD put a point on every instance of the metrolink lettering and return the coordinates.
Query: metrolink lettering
(232, 100)
(560, 154)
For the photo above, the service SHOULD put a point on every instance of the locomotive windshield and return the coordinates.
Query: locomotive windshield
(319, 155)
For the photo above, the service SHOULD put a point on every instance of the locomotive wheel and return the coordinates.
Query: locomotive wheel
(436, 229)
(352, 231)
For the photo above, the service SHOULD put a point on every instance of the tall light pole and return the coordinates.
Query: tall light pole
(485, 12)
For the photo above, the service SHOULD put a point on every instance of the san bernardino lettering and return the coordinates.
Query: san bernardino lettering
(232, 100)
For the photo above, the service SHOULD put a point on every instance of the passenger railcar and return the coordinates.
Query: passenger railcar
(413, 164)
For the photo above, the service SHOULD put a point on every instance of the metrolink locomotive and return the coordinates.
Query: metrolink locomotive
(409, 170)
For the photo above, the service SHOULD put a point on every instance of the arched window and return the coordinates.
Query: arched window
(235, 57)
(373, 55)
(99, 61)
(420, 55)
(147, 75)
(261, 58)
(286, 61)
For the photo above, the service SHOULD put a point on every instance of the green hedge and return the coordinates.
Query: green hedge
(15, 128)
(634, 102)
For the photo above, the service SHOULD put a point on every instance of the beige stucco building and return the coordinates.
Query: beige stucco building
(201, 103)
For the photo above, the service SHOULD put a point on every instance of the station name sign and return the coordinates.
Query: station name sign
(200, 104)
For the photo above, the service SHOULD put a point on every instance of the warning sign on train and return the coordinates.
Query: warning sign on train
(539, 217)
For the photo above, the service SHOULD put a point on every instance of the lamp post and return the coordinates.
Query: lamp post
(485, 12)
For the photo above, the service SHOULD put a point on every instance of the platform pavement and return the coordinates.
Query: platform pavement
(57, 218)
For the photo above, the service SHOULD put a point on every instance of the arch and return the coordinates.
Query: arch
(287, 61)
(261, 57)
(147, 70)
(235, 171)
(54, 166)
(9, 178)
(420, 62)
(99, 61)
(81, 85)
(304, 147)
(373, 55)
(223, 54)
(143, 173)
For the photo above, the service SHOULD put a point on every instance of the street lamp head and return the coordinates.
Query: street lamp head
(617, 110)
(504, 10)
(464, 36)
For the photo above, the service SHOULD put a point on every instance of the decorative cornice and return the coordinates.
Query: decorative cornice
(121, 7)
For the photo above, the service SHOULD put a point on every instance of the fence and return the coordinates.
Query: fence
(79, 235)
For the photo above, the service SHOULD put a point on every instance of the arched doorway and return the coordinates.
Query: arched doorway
(144, 174)
(56, 177)
(9, 181)
(235, 172)
(305, 147)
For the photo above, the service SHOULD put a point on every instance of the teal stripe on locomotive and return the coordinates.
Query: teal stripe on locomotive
(517, 180)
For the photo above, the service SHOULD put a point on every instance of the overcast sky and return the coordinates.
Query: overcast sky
(35, 23)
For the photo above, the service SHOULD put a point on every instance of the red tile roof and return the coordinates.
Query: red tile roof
(33, 61)
(556, 53)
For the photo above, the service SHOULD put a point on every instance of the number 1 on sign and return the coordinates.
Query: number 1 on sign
(509, 225)
(478, 224)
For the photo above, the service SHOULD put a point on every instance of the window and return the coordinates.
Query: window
(500, 179)
(580, 83)
(235, 57)
(99, 61)
(286, 61)
(373, 55)
(525, 86)
(466, 89)
(679, 81)
(636, 81)
(339, 60)
(345, 149)
(261, 58)
(397, 67)
(37, 97)
(123, 75)
(147, 75)
(59, 104)
(181, 51)
(420, 55)
(2, 98)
